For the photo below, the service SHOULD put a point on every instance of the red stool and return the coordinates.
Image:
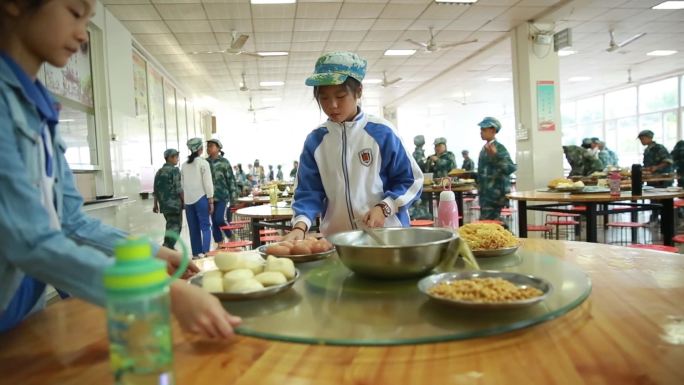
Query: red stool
(678, 238)
(627, 225)
(268, 232)
(422, 223)
(679, 203)
(234, 244)
(270, 238)
(570, 220)
(669, 249)
(546, 230)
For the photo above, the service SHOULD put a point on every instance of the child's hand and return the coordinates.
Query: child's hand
(374, 217)
(199, 312)
(155, 209)
(173, 262)
(294, 235)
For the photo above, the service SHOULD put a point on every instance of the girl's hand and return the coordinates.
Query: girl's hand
(155, 209)
(200, 312)
(173, 262)
(374, 217)
(294, 235)
(211, 208)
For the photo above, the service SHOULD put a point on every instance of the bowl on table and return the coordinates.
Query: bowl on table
(406, 252)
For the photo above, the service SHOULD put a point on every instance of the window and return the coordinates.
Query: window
(170, 112)
(621, 103)
(590, 110)
(72, 86)
(658, 96)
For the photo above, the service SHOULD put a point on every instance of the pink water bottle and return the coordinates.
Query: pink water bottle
(614, 183)
(448, 210)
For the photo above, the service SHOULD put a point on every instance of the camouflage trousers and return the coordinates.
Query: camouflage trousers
(490, 211)
(174, 224)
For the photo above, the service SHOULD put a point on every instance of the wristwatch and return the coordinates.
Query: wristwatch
(386, 210)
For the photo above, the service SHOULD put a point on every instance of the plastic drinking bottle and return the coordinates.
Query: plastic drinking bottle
(138, 314)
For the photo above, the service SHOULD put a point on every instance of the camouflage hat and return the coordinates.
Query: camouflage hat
(194, 144)
(440, 140)
(465, 152)
(595, 140)
(419, 140)
(490, 122)
(648, 133)
(334, 68)
(170, 152)
(216, 142)
(586, 142)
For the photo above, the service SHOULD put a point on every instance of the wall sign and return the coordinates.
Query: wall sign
(546, 105)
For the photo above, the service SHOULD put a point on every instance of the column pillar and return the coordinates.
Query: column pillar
(536, 92)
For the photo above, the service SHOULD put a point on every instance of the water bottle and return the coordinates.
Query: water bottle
(637, 180)
(614, 183)
(447, 210)
(138, 314)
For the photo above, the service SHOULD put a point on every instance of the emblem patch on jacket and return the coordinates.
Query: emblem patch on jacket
(366, 157)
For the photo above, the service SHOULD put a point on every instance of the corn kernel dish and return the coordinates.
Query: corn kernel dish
(492, 290)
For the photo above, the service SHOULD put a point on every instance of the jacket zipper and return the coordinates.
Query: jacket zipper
(345, 172)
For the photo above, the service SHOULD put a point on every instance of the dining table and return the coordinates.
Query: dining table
(264, 216)
(615, 316)
(262, 199)
(596, 204)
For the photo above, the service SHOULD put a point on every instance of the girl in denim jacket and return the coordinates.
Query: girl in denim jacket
(44, 235)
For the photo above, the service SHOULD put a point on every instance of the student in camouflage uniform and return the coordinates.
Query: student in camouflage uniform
(279, 174)
(225, 188)
(678, 160)
(581, 161)
(420, 208)
(168, 195)
(468, 163)
(657, 159)
(419, 152)
(605, 155)
(293, 172)
(442, 161)
(494, 169)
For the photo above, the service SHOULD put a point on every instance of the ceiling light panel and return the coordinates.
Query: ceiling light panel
(220, 11)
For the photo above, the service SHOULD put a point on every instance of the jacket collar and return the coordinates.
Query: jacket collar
(32, 90)
(358, 121)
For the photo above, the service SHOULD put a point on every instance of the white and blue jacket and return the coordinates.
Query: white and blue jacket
(347, 168)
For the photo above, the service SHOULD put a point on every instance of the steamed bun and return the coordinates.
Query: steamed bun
(271, 278)
(246, 286)
(232, 277)
(212, 284)
(228, 261)
(283, 265)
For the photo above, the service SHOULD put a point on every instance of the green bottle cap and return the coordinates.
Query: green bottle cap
(135, 271)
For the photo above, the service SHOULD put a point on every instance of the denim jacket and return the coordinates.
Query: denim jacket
(71, 258)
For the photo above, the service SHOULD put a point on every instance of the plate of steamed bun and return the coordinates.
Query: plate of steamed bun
(246, 275)
(310, 249)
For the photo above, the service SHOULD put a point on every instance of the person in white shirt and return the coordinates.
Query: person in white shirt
(199, 198)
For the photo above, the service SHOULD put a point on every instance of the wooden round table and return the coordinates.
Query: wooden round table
(262, 199)
(264, 212)
(664, 199)
(629, 331)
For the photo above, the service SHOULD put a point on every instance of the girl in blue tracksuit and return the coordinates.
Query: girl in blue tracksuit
(45, 237)
(354, 167)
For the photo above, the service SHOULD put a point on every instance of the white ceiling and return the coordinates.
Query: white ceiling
(170, 29)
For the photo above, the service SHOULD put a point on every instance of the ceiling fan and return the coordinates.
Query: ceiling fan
(463, 100)
(432, 46)
(252, 109)
(244, 88)
(235, 48)
(385, 82)
(613, 46)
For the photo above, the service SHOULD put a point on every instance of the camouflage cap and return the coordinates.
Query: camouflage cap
(595, 140)
(419, 140)
(648, 133)
(465, 152)
(170, 152)
(215, 141)
(586, 141)
(490, 122)
(440, 140)
(194, 144)
(334, 68)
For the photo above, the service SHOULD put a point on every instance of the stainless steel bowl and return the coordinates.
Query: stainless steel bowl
(408, 252)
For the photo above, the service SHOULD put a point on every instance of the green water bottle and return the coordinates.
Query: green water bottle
(138, 315)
